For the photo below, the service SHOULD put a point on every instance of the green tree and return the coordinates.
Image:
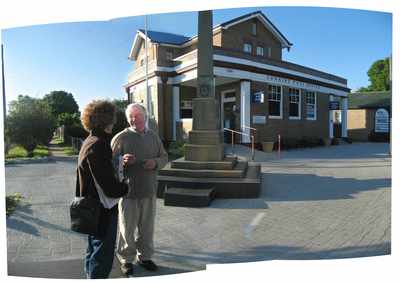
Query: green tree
(61, 102)
(379, 76)
(121, 122)
(29, 123)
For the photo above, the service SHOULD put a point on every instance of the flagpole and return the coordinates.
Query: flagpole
(148, 98)
(3, 83)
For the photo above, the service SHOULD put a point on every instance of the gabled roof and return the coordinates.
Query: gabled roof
(370, 100)
(182, 41)
(165, 37)
(156, 37)
(267, 23)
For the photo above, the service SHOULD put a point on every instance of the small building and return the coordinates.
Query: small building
(369, 116)
(255, 88)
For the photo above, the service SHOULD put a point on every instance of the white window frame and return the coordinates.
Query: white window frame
(298, 104)
(260, 51)
(254, 28)
(168, 55)
(307, 103)
(248, 50)
(280, 101)
(269, 50)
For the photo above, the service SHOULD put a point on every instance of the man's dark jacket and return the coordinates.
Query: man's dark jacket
(95, 166)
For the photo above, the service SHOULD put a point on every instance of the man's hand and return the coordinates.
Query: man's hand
(149, 164)
(128, 159)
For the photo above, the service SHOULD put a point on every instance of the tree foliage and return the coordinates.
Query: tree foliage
(61, 102)
(29, 123)
(379, 76)
(121, 122)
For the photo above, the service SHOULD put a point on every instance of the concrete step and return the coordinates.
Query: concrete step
(247, 187)
(187, 197)
(237, 172)
(226, 164)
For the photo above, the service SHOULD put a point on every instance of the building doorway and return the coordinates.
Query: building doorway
(228, 114)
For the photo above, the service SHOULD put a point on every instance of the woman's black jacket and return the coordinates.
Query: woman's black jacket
(95, 166)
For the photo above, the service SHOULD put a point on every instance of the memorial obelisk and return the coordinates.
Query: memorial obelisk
(205, 139)
(204, 172)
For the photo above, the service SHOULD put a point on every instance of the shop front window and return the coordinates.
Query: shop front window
(294, 103)
(311, 105)
(275, 101)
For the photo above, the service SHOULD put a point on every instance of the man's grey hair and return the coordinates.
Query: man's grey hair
(137, 106)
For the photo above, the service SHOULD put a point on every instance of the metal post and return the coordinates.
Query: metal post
(149, 110)
(252, 147)
(232, 142)
(279, 146)
(3, 83)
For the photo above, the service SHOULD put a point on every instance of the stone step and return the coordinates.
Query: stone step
(247, 187)
(186, 197)
(237, 172)
(226, 164)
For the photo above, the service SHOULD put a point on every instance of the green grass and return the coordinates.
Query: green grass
(70, 151)
(12, 202)
(18, 152)
(57, 141)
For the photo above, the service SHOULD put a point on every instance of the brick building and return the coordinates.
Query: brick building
(254, 86)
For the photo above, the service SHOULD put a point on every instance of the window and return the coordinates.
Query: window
(294, 103)
(269, 52)
(254, 28)
(311, 106)
(168, 55)
(247, 48)
(274, 101)
(260, 51)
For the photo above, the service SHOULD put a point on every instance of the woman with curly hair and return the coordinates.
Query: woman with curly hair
(96, 178)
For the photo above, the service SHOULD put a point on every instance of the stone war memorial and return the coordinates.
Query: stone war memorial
(205, 172)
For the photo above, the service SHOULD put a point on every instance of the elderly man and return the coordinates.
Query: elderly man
(142, 154)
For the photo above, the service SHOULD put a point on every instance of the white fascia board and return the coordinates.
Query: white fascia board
(142, 85)
(240, 74)
(274, 68)
(184, 55)
(140, 36)
(136, 43)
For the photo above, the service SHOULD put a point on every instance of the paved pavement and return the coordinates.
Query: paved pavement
(321, 203)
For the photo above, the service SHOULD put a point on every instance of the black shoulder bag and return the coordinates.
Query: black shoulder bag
(85, 213)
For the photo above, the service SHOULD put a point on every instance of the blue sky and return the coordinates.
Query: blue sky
(89, 59)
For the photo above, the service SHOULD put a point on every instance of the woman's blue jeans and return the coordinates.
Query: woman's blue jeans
(100, 251)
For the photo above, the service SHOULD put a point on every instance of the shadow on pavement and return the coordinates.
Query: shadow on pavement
(273, 252)
(310, 187)
(26, 223)
(73, 268)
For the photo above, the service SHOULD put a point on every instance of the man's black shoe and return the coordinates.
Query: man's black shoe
(127, 268)
(148, 265)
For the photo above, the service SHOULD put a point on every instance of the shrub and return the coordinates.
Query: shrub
(29, 123)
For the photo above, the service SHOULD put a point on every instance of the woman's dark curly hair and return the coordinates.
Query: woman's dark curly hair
(98, 114)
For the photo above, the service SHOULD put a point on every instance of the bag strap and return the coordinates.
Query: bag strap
(78, 187)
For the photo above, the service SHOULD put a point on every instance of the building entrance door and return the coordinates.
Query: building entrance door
(228, 114)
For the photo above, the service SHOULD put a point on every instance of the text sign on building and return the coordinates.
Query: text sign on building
(334, 105)
(381, 121)
(258, 97)
(259, 120)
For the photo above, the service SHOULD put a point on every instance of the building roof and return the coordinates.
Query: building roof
(180, 40)
(165, 37)
(370, 100)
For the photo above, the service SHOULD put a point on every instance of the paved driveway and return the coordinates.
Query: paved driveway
(330, 202)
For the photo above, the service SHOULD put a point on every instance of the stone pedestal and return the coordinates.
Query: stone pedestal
(206, 138)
